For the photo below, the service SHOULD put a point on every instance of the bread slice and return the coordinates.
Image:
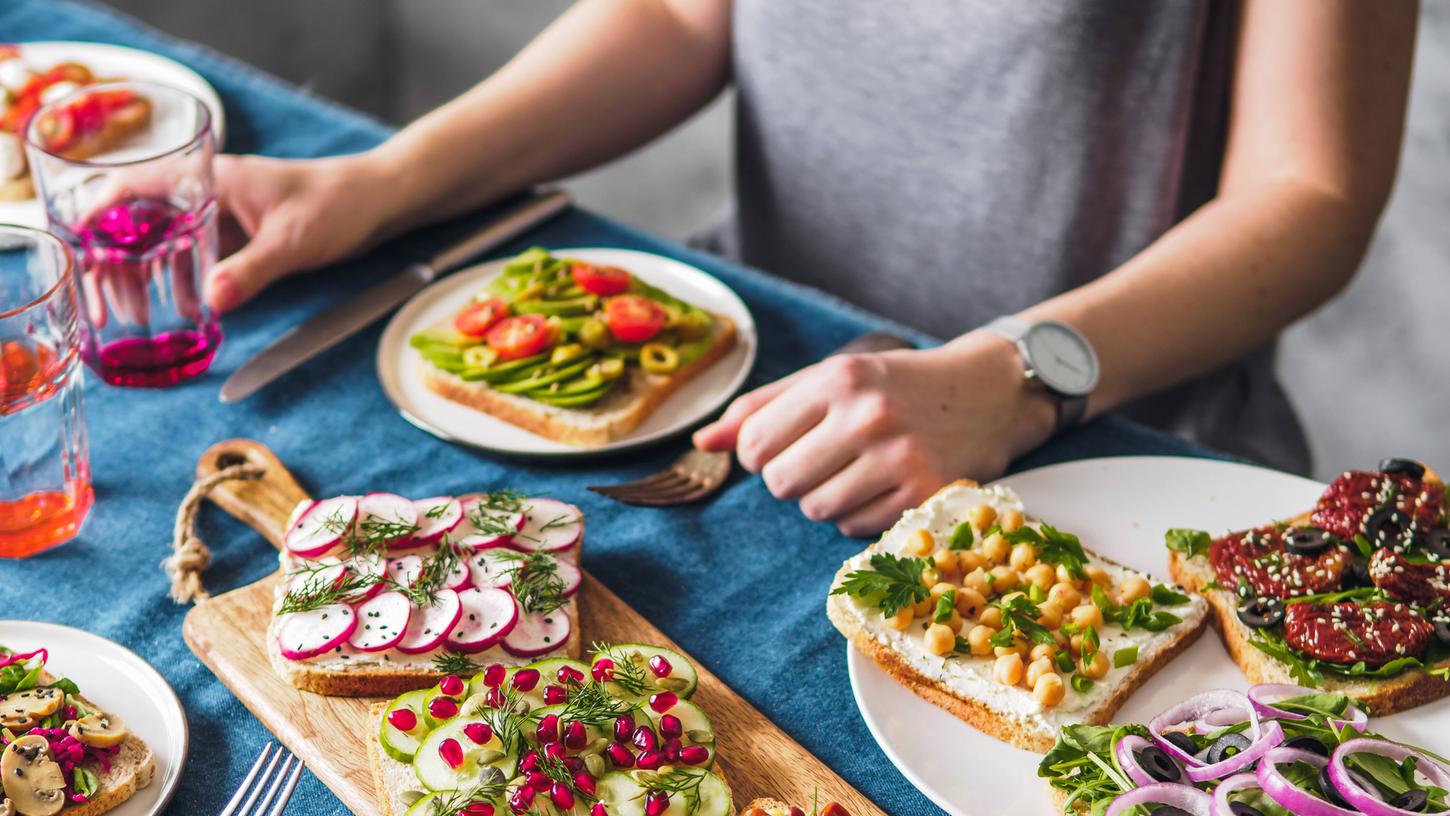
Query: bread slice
(615, 415)
(963, 684)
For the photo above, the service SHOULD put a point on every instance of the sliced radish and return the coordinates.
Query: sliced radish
(305, 635)
(381, 622)
(371, 569)
(436, 518)
(482, 527)
(459, 576)
(428, 626)
(388, 516)
(538, 633)
(405, 571)
(322, 526)
(491, 567)
(328, 571)
(488, 615)
(571, 576)
(550, 526)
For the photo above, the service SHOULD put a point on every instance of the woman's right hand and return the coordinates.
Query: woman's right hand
(290, 216)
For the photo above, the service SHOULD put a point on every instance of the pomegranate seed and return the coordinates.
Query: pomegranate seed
(451, 752)
(670, 726)
(619, 755)
(573, 763)
(479, 809)
(562, 796)
(570, 675)
(530, 762)
(495, 698)
(696, 755)
(522, 799)
(795, 811)
(644, 738)
(442, 708)
(526, 679)
(478, 733)
(585, 783)
(538, 780)
(656, 803)
(452, 685)
(651, 760)
(493, 675)
(660, 666)
(554, 695)
(623, 727)
(575, 736)
(548, 730)
(602, 670)
(554, 750)
(672, 750)
(403, 719)
(664, 701)
(599, 810)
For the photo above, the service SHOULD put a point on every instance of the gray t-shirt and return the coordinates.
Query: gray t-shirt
(943, 162)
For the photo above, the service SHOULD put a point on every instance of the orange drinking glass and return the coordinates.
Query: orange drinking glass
(45, 477)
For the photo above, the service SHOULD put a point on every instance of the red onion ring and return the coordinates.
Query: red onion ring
(1221, 719)
(1271, 738)
(1369, 802)
(1289, 796)
(1196, 708)
(21, 658)
(1125, 753)
(1233, 783)
(1357, 720)
(1185, 797)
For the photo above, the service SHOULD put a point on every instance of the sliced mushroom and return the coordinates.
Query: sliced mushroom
(31, 779)
(99, 730)
(22, 710)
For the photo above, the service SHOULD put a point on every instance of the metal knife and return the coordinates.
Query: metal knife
(339, 322)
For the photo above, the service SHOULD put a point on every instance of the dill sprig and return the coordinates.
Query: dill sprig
(456, 802)
(535, 582)
(373, 535)
(433, 576)
(683, 781)
(505, 720)
(488, 514)
(446, 662)
(591, 704)
(316, 592)
(629, 674)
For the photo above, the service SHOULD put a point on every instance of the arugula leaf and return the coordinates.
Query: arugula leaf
(1164, 596)
(890, 585)
(1328, 704)
(962, 537)
(1081, 765)
(85, 783)
(1304, 670)
(1188, 542)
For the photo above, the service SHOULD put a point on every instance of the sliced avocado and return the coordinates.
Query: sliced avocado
(545, 376)
(571, 388)
(571, 307)
(576, 400)
(448, 359)
(504, 371)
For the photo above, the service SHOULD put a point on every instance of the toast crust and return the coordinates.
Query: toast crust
(133, 768)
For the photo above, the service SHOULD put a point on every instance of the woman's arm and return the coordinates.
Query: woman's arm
(604, 78)
(1316, 119)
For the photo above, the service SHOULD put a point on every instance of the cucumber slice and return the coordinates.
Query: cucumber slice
(403, 745)
(623, 793)
(429, 694)
(693, 720)
(436, 774)
(537, 714)
(424, 806)
(682, 678)
(544, 377)
(549, 670)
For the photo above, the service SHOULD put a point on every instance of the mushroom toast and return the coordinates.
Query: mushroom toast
(62, 753)
(572, 351)
(1352, 596)
(383, 594)
(1005, 621)
(617, 736)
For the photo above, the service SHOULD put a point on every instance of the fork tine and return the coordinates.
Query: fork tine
(287, 791)
(670, 481)
(231, 807)
(658, 501)
(671, 493)
(276, 784)
(647, 482)
(666, 488)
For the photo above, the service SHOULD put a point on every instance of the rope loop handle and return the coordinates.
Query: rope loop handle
(190, 557)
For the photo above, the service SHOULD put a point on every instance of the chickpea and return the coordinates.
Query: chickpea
(1042, 650)
(1051, 616)
(1099, 576)
(1011, 596)
(970, 602)
(940, 639)
(991, 616)
(1023, 556)
(1042, 576)
(1018, 647)
(1074, 644)
(1132, 588)
(923, 609)
(1008, 669)
(1011, 521)
(1064, 595)
(1049, 689)
(1097, 668)
(930, 576)
(979, 640)
(955, 623)
(1061, 639)
(902, 619)
(1064, 576)
(995, 548)
(941, 588)
(1087, 615)
(920, 545)
(944, 560)
(982, 516)
(1037, 668)
(976, 580)
(1004, 579)
(970, 560)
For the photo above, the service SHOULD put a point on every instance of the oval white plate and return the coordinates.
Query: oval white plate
(1119, 507)
(118, 680)
(400, 368)
(118, 62)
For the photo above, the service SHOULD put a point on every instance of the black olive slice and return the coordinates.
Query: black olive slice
(1356, 572)
(1326, 787)
(1304, 742)
(1182, 741)
(1308, 540)
(1261, 612)
(1386, 527)
(1244, 809)
(1403, 467)
(1437, 541)
(1226, 746)
(1413, 800)
(1168, 810)
(1442, 630)
(1158, 764)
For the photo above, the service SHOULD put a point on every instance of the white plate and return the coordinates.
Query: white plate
(400, 368)
(116, 679)
(1119, 507)
(110, 62)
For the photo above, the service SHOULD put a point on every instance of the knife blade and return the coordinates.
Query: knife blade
(342, 320)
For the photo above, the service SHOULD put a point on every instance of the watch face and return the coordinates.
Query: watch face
(1061, 358)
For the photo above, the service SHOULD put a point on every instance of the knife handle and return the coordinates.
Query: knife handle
(540, 208)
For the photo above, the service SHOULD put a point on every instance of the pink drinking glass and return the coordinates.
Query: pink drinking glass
(124, 169)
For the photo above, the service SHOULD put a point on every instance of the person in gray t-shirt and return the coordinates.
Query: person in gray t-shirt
(1176, 181)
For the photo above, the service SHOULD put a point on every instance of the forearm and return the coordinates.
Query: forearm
(604, 78)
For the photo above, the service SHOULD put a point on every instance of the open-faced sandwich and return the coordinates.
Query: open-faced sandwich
(1350, 596)
(1280, 750)
(382, 594)
(615, 737)
(62, 754)
(1005, 621)
(775, 807)
(572, 351)
(91, 125)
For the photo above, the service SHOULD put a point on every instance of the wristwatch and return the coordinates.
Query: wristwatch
(1057, 356)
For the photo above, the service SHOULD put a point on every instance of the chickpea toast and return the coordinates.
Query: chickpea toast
(1005, 621)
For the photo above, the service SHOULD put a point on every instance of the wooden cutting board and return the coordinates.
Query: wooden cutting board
(328, 733)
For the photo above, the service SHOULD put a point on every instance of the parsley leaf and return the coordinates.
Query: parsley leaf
(891, 584)
(1188, 542)
(1053, 546)
(962, 537)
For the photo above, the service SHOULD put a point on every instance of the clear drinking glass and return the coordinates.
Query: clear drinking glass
(124, 169)
(45, 477)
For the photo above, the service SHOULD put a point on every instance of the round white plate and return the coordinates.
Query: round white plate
(110, 62)
(1119, 507)
(116, 679)
(400, 368)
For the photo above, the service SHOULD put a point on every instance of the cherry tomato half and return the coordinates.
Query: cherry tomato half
(57, 128)
(634, 319)
(477, 318)
(519, 336)
(603, 281)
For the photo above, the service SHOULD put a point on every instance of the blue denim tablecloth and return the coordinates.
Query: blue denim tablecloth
(740, 581)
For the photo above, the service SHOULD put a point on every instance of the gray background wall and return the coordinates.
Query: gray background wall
(1370, 372)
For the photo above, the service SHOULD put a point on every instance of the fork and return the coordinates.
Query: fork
(698, 473)
(255, 785)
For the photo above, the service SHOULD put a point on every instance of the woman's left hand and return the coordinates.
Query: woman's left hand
(858, 439)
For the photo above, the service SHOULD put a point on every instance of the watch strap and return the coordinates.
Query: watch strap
(1010, 327)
